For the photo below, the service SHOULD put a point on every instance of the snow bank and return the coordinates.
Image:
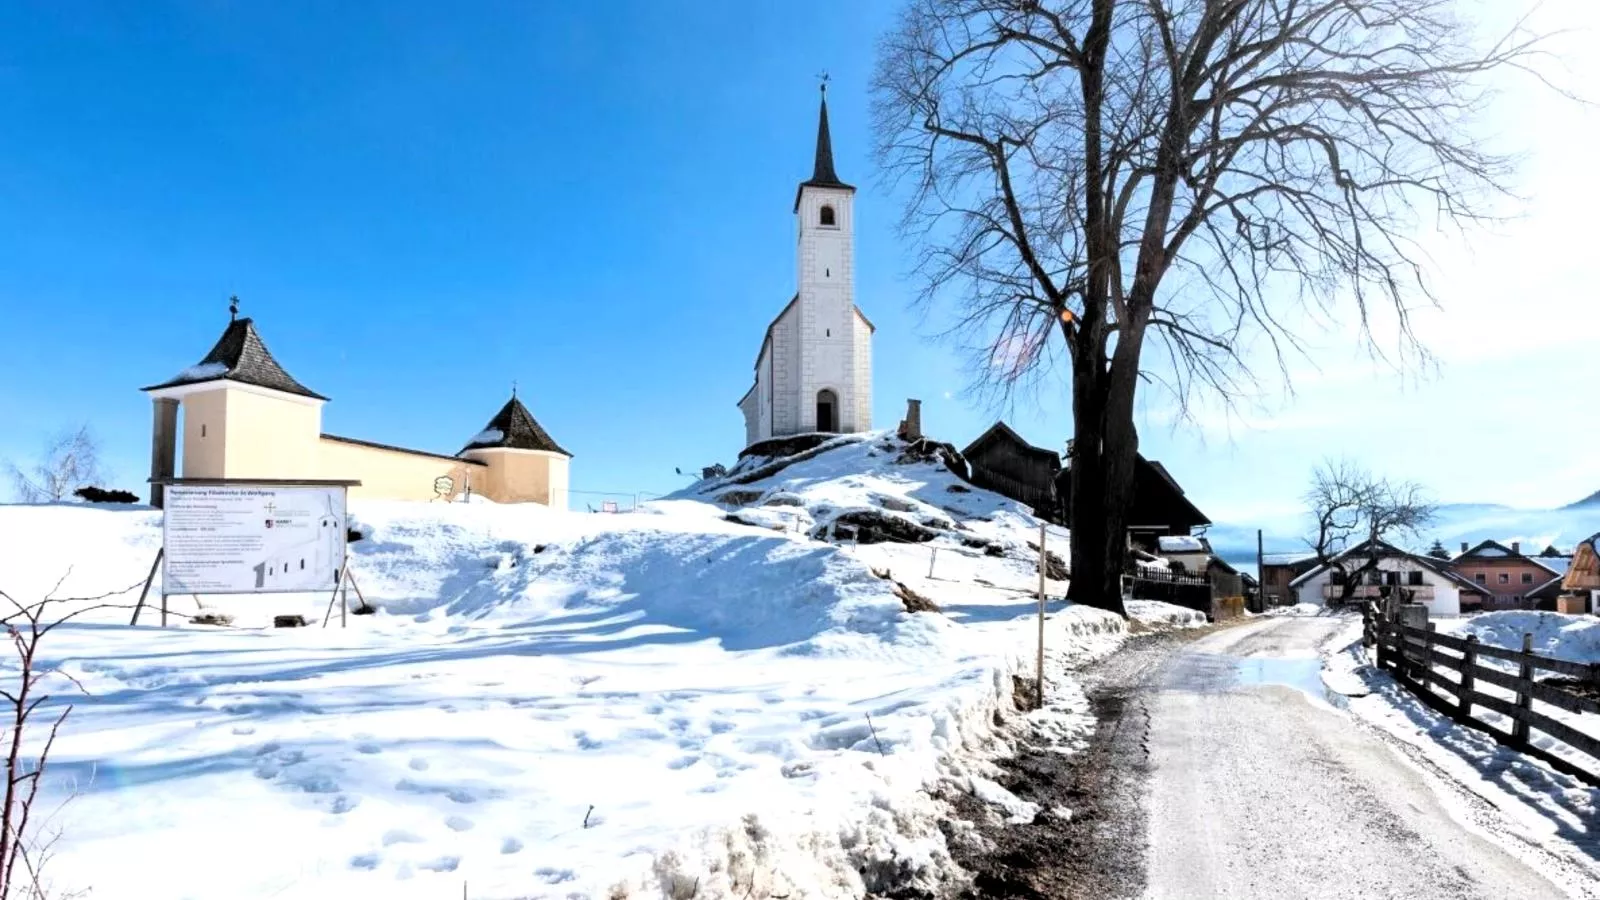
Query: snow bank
(1575, 638)
(1161, 614)
(557, 704)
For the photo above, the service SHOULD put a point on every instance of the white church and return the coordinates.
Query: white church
(814, 371)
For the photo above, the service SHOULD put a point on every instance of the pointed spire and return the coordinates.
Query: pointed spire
(822, 172)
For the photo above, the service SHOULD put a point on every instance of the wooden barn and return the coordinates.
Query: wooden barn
(1001, 461)
(1159, 505)
(1580, 589)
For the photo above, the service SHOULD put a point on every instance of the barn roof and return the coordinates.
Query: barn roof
(1158, 499)
(241, 356)
(1000, 431)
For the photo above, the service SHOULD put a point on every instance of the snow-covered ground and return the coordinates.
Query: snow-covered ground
(698, 699)
(1545, 808)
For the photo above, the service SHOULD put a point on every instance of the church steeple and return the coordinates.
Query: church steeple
(822, 171)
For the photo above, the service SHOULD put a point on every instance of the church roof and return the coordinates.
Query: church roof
(822, 173)
(240, 356)
(514, 428)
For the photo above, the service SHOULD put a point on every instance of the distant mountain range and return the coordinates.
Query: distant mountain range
(1455, 524)
(1591, 500)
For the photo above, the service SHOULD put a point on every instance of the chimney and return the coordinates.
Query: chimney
(1463, 546)
(1516, 546)
(911, 426)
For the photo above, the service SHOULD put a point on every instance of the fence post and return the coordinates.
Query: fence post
(1469, 661)
(934, 555)
(1380, 626)
(1042, 560)
(1427, 656)
(1519, 727)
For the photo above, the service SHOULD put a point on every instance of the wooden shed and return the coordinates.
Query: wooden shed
(1001, 461)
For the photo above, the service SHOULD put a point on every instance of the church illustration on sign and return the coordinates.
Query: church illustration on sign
(244, 417)
(814, 370)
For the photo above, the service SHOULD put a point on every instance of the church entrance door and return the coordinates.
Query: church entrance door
(827, 404)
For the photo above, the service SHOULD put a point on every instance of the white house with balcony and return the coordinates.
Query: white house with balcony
(1423, 579)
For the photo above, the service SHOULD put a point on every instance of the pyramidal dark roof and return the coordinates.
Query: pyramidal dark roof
(514, 428)
(240, 356)
(822, 173)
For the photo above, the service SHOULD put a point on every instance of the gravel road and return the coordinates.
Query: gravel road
(1257, 788)
(1222, 769)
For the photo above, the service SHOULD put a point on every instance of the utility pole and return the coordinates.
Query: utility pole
(1261, 576)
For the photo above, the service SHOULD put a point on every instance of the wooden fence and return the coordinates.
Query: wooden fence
(1423, 660)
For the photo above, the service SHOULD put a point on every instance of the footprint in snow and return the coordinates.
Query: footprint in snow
(442, 864)
(368, 861)
(510, 845)
(585, 742)
(555, 876)
(683, 762)
(400, 836)
(243, 729)
(344, 803)
(459, 823)
(419, 764)
(368, 747)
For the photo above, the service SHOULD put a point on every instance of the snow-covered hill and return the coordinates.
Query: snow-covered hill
(699, 695)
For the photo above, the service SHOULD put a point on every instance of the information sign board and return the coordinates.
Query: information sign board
(252, 539)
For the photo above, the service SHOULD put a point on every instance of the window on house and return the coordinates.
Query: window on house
(827, 216)
(1391, 578)
(1336, 577)
(1374, 577)
(1481, 578)
(1527, 578)
(1414, 578)
(1505, 578)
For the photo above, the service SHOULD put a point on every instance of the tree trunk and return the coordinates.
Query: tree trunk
(1102, 485)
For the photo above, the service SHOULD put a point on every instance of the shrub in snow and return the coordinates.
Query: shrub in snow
(871, 527)
(91, 494)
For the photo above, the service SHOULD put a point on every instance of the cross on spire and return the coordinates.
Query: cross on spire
(233, 307)
(823, 80)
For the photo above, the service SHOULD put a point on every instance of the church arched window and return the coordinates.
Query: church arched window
(826, 217)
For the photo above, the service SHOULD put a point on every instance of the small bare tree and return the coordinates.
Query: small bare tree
(1148, 187)
(70, 461)
(1356, 514)
(24, 846)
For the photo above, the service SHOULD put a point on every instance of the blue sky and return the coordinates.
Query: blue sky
(420, 203)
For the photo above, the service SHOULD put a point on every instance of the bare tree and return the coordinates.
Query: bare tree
(1356, 511)
(25, 845)
(70, 461)
(1123, 179)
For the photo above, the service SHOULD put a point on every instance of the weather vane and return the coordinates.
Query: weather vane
(513, 387)
(233, 307)
(824, 78)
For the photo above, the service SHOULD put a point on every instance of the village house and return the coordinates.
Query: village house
(1278, 571)
(240, 415)
(1159, 505)
(1580, 587)
(1000, 460)
(813, 372)
(1420, 579)
(1510, 579)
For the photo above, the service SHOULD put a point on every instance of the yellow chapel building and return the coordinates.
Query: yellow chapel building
(241, 416)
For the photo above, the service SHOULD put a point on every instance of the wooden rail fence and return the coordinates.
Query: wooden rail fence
(1423, 660)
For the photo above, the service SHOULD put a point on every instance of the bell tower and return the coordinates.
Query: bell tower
(832, 393)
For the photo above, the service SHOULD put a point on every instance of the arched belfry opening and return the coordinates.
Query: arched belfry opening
(826, 218)
(827, 410)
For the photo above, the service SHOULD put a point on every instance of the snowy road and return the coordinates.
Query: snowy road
(1258, 788)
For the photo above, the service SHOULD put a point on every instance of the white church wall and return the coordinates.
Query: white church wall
(786, 372)
(862, 420)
